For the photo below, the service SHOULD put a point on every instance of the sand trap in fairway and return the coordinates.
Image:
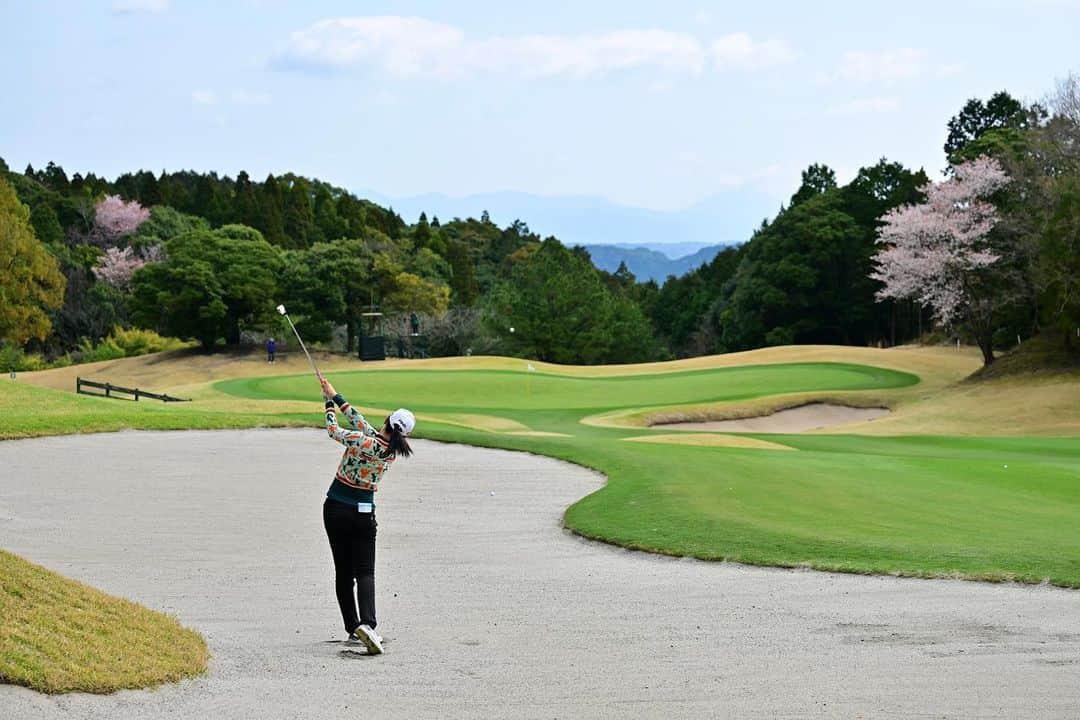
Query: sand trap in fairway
(806, 417)
(490, 608)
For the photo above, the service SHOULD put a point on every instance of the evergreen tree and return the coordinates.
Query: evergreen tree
(299, 218)
(270, 213)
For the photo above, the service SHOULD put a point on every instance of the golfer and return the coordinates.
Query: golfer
(349, 510)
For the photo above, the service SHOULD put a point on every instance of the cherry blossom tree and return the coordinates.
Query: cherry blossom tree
(940, 253)
(117, 266)
(115, 219)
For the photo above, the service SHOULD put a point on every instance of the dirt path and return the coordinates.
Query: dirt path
(490, 609)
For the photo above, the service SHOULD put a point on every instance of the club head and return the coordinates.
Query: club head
(281, 309)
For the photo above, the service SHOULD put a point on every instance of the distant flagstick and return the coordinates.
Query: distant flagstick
(281, 309)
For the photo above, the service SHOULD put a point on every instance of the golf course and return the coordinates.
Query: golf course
(960, 480)
(952, 483)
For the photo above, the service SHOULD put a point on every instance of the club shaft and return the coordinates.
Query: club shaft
(302, 346)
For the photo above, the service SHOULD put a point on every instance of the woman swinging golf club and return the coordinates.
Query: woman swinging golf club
(349, 510)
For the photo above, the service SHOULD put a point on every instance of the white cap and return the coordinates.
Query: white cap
(403, 421)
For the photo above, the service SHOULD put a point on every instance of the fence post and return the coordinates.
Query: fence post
(136, 394)
(78, 385)
(108, 387)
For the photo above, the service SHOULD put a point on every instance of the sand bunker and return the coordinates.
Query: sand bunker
(473, 568)
(806, 417)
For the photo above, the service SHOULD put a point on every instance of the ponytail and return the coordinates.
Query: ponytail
(398, 444)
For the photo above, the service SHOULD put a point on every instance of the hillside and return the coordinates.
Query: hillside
(647, 263)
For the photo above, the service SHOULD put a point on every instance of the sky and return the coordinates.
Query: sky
(654, 105)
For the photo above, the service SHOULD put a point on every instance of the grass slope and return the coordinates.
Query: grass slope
(58, 635)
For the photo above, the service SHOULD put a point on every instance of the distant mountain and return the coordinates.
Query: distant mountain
(727, 217)
(648, 263)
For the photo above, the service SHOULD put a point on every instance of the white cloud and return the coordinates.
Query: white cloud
(584, 55)
(203, 97)
(140, 6)
(863, 106)
(738, 50)
(410, 46)
(887, 67)
(400, 45)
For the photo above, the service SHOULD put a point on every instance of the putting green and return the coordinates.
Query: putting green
(981, 508)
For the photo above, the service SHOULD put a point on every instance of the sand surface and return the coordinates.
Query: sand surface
(814, 416)
(490, 609)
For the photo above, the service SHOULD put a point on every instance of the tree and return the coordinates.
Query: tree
(326, 284)
(117, 266)
(412, 293)
(794, 278)
(816, 179)
(976, 118)
(210, 285)
(270, 213)
(164, 224)
(1059, 261)
(463, 287)
(300, 229)
(30, 279)
(939, 253)
(559, 308)
(115, 219)
(55, 178)
(46, 225)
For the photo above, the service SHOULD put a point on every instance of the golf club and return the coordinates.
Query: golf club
(281, 309)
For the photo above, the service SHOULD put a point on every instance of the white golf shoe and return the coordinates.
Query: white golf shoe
(365, 637)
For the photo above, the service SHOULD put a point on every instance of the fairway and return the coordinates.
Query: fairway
(465, 390)
(980, 508)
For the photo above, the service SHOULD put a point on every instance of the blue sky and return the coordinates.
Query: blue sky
(646, 104)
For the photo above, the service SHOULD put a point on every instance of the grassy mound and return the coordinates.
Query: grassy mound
(1041, 355)
(58, 635)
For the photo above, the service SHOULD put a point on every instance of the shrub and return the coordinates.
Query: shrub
(13, 359)
(137, 341)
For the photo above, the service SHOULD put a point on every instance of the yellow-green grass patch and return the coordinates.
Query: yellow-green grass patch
(58, 635)
(710, 440)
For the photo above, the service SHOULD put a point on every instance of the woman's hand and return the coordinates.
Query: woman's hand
(328, 390)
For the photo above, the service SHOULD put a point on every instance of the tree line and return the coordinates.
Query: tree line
(207, 257)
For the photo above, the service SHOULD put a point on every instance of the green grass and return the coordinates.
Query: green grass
(913, 505)
(516, 392)
(58, 635)
(29, 411)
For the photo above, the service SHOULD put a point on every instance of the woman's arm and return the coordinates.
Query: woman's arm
(352, 415)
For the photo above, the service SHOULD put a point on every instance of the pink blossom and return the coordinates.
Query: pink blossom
(114, 218)
(117, 266)
(934, 250)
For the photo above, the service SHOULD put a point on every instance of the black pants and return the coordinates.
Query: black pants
(352, 542)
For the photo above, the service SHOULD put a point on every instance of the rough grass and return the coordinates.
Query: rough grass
(1041, 355)
(58, 635)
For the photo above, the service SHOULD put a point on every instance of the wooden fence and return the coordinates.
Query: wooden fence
(115, 390)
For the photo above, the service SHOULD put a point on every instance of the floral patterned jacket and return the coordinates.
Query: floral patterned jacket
(367, 455)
